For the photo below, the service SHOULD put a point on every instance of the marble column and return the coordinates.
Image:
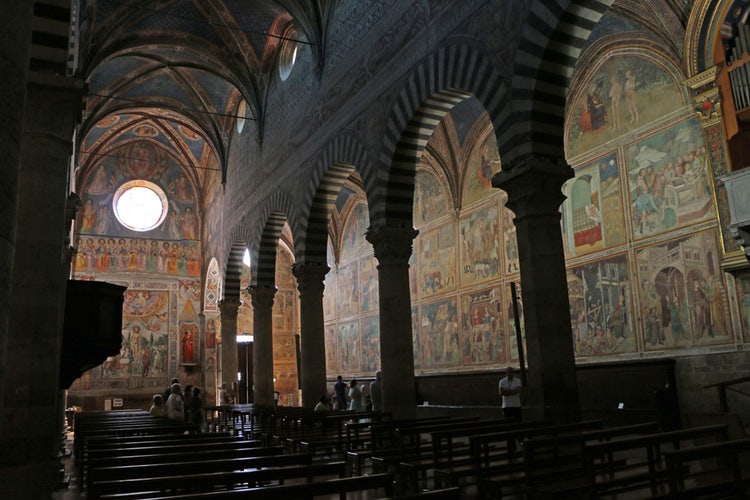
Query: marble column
(229, 309)
(534, 195)
(310, 278)
(393, 247)
(32, 415)
(262, 296)
(15, 24)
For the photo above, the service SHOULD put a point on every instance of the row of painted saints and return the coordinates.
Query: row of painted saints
(100, 254)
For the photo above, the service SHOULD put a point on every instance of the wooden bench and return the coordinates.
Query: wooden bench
(645, 472)
(186, 445)
(137, 488)
(371, 485)
(552, 463)
(709, 470)
(195, 465)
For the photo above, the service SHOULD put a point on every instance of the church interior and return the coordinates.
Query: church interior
(271, 193)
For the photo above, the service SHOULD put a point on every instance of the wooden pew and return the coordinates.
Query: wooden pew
(709, 471)
(645, 473)
(548, 455)
(370, 485)
(178, 485)
(185, 445)
(194, 465)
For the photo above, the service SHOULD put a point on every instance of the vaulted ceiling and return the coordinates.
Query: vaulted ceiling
(176, 72)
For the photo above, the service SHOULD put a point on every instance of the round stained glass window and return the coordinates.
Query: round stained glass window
(140, 205)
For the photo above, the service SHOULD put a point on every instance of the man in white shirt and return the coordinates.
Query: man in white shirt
(510, 390)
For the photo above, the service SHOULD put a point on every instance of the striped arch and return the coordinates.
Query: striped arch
(233, 274)
(340, 158)
(445, 78)
(278, 210)
(552, 39)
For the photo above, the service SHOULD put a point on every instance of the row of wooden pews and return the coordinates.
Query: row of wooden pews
(181, 464)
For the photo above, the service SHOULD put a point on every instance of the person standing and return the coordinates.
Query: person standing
(175, 404)
(356, 402)
(376, 392)
(510, 392)
(339, 388)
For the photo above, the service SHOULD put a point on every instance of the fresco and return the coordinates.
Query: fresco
(138, 160)
(482, 165)
(370, 344)
(626, 93)
(438, 333)
(416, 336)
(430, 200)
(510, 241)
(349, 347)
(683, 299)
(482, 336)
(592, 214)
(213, 287)
(368, 274)
(143, 352)
(330, 284)
(601, 307)
(437, 260)
(743, 293)
(479, 234)
(669, 180)
(511, 320)
(331, 339)
(348, 291)
(189, 335)
(108, 254)
(353, 237)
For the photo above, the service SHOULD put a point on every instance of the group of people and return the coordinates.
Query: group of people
(179, 405)
(355, 395)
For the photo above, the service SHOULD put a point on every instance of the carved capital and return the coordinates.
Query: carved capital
(229, 308)
(310, 276)
(262, 295)
(392, 244)
(534, 185)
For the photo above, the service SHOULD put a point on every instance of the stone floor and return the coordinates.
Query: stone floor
(72, 489)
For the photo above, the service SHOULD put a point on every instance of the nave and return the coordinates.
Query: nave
(294, 453)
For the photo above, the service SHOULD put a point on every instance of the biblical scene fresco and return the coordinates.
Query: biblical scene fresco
(139, 160)
(510, 240)
(592, 215)
(437, 260)
(683, 300)
(743, 293)
(368, 273)
(330, 286)
(483, 164)
(601, 307)
(353, 238)
(347, 303)
(370, 344)
(430, 199)
(103, 254)
(479, 235)
(511, 320)
(482, 336)
(626, 93)
(669, 180)
(349, 353)
(438, 339)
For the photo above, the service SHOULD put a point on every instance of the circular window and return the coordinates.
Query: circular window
(140, 205)
(288, 53)
(241, 110)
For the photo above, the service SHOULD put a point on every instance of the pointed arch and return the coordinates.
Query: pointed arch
(442, 80)
(278, 211)
(340, 158)
(544, 63)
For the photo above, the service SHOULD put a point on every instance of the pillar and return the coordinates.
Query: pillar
(534, 189)
(393, 247)
(262, 296)
(15, 24)
(32, 413)
(229, 309)
(310, 278)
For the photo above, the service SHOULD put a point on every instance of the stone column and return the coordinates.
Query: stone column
(263, 344)
(312, 333)
(229, 309)
(393, 247)
(32, 414)
(534, 195)
(15, 24)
